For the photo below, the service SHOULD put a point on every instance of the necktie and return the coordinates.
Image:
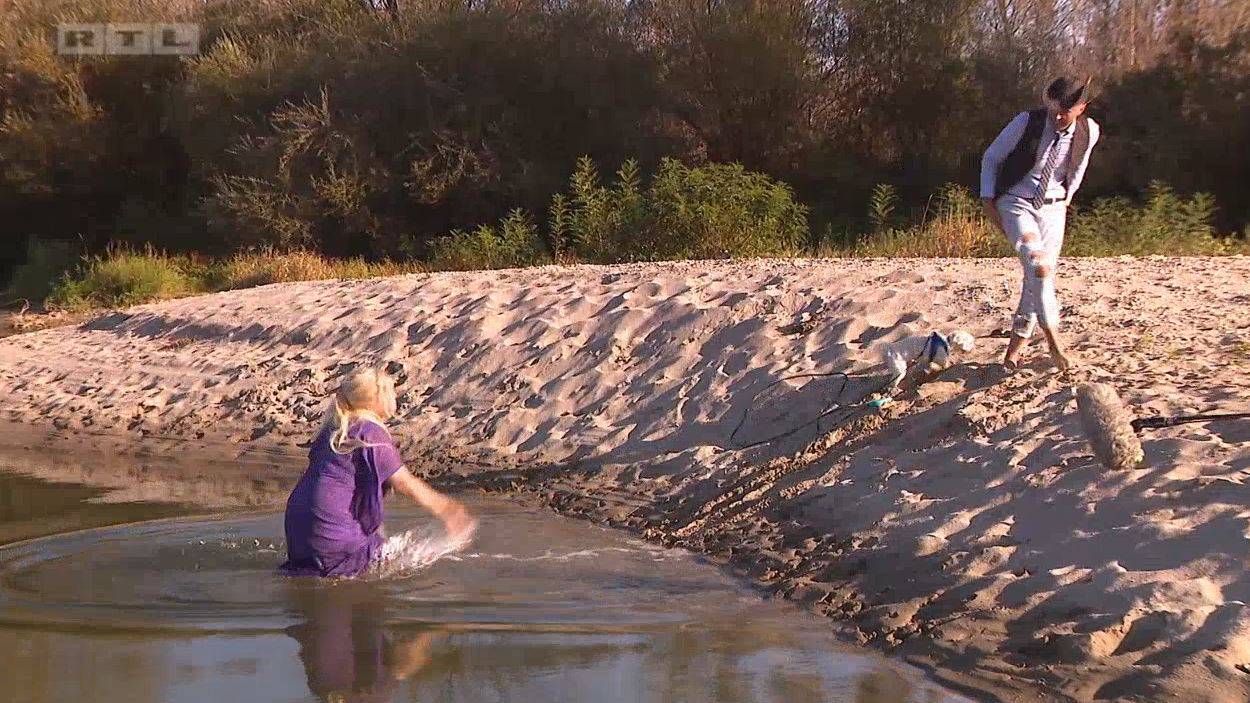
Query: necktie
(1052, 162)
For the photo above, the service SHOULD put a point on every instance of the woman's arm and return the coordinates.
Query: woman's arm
(451, 512)
(412, 655)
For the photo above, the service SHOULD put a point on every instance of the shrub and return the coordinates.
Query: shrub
(1165, 224)
(80, 137)
(881, 207)
(513, 242)
(558, 233)
(121, 278)
(722, 210)
(717, 210)
(329, 124)
(953, 227)
(333, 124)
(607, 223)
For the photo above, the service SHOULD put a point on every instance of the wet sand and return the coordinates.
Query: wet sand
(967, 527)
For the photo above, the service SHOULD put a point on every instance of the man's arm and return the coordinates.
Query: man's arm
(993, 159)
(998, 151)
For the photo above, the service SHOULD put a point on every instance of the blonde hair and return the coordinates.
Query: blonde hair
(364, 394)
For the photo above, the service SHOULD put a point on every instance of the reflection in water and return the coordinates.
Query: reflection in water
(32, 508)
(346, 647)
(352, 652)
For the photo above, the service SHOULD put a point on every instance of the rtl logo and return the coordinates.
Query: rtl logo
(130, 38)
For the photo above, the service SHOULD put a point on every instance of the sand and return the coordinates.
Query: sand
(967, 527)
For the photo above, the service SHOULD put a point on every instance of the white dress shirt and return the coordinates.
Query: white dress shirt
(1027, 187)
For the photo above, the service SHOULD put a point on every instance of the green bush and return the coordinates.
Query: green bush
(560, 227)
(722, 210)
(881, 207)
(607, 223)
(122, 278)
(1165, 224)
(953, 226)
(712, 211)
(512, 243)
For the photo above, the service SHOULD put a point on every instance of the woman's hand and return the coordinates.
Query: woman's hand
(455, 518)
(457, 521)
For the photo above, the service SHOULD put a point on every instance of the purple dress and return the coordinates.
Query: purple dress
(334, 515)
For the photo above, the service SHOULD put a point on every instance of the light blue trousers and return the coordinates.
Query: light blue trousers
(1037, 236)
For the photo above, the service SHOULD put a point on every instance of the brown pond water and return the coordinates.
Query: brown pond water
(142, 602)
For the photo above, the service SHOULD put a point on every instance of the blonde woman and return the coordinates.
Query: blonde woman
(334, 514)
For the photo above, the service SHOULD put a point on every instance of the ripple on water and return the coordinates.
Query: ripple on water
(524, 570)
(169, 574)
(538, 607)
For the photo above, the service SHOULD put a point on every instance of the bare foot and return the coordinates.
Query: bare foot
(1061, 361)
(1011, 356)
(1011, 360)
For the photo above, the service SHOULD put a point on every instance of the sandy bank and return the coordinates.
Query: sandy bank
(967, 528)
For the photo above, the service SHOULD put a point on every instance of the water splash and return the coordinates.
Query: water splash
(413, 550)
(643, 551)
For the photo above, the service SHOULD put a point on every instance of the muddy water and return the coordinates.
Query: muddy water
(153, 602)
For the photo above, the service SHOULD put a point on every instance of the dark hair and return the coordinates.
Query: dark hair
(1068, 91)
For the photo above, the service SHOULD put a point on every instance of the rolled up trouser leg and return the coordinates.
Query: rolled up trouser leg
(1023, 228)
(1053, 219)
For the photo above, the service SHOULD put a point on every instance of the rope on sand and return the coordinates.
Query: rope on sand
(831, 408)
(1154, 423)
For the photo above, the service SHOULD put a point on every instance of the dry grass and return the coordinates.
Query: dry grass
(953, 226)
(942, 238)
(266, 267)
(124, 277)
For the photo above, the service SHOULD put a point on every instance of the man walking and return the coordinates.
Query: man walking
(1028, 177)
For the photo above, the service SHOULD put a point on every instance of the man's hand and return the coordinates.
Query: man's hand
(991, 213)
